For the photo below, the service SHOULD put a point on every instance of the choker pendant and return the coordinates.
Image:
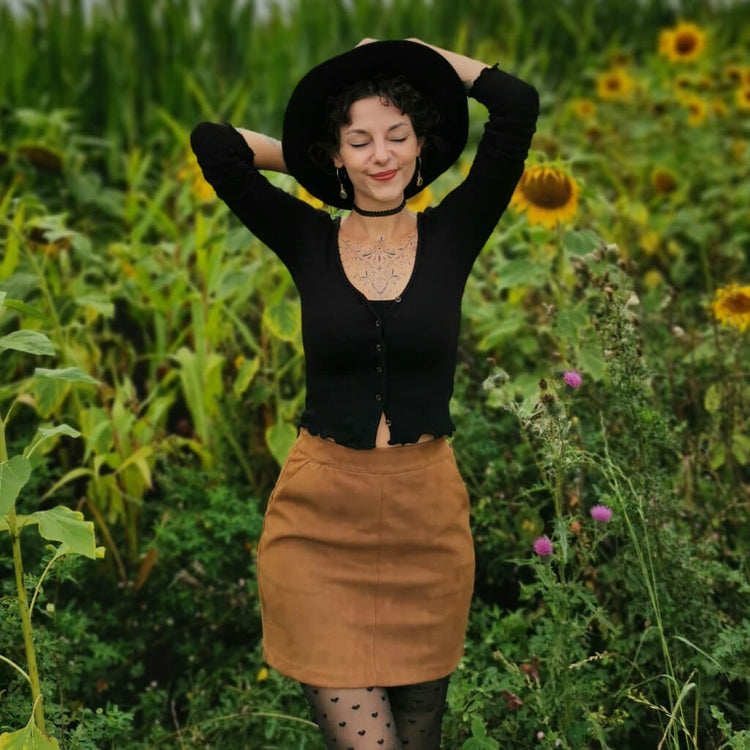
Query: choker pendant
(389, 212)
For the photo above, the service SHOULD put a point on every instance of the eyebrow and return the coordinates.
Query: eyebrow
(365, 132)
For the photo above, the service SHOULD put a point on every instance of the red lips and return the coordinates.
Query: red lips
(384, 175)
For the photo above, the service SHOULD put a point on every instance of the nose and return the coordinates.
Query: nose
(382, 152)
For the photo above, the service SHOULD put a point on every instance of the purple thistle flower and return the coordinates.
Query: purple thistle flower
(601, 513)
(543, 546)
(572, 378)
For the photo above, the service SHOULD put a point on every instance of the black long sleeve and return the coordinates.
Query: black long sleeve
(360, 360)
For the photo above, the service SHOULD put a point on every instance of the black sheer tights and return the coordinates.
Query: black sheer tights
(406, 717)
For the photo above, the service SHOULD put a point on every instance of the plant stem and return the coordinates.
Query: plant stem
(16, 667)
(23, 604)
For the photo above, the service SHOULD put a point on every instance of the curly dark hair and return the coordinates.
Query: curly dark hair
(398, 91)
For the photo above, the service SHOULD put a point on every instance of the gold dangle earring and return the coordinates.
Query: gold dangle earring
(342, 192)
(420, 181)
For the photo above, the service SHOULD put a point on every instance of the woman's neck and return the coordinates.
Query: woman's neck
(380, 228)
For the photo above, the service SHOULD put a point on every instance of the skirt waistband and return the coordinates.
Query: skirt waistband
(373, 460)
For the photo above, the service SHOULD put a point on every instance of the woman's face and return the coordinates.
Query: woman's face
(379, 149)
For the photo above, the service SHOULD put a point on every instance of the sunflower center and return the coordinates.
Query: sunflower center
(548, 190)
(664, 182)
(685, 43)
(738, 303)
(613, 83)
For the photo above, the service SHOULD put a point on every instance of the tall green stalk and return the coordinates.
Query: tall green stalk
(23, 602)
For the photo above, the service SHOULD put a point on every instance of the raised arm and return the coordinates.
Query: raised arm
(279, 220)
(267, 150)
(470, 212)
(468, 70)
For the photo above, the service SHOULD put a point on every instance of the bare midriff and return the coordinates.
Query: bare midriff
(384, 435)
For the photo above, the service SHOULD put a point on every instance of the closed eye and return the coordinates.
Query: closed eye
(362, 145)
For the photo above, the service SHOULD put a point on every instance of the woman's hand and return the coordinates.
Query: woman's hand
(467, 69)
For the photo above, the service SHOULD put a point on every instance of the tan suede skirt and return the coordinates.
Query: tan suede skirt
(366, 564)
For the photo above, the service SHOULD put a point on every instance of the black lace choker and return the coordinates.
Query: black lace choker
(389, 212)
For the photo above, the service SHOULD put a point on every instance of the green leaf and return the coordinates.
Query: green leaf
(101, 303)
(571, 321)
(561, 533)
(717, 455)
(477, 728)
(247, 372)
(61, 524)
(520, 272)
(712, 399)
(45, 433)
(22, 307)
(28, 738)
(61, 429)
(741, 447)
(3, 295)
(504, 329)
(580, 243)
(31, 342)
(138, 459)
(69, 374)
(13, 476)
(283, 319)
(591, 361)
(69, 477)
(279, 439)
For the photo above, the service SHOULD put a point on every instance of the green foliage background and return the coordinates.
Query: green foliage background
(632, 632)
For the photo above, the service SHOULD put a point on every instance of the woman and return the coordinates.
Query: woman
(366, 560)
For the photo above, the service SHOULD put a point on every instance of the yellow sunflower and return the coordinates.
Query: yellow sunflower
(739, 148)
(547, 195)
(743, 97)
(192, 173)
(421, 200)
(615, 84)
(686, 43)
(653, 278)
(733, 72)
(663, 180)
(304, 195)
(697, 109)
(719, 107)
(683, 82)
(546, 143)
(731, 306)
(650, 242)
(665, 41)
(583, 109)
(619, 59)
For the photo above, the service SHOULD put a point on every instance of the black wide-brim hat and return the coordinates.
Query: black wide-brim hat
(306, 113)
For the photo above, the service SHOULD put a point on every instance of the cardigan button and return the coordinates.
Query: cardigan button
(378, 347)
(388, 422)
(398, 299)
(379, 368)
(377, 323)
(378, 397)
